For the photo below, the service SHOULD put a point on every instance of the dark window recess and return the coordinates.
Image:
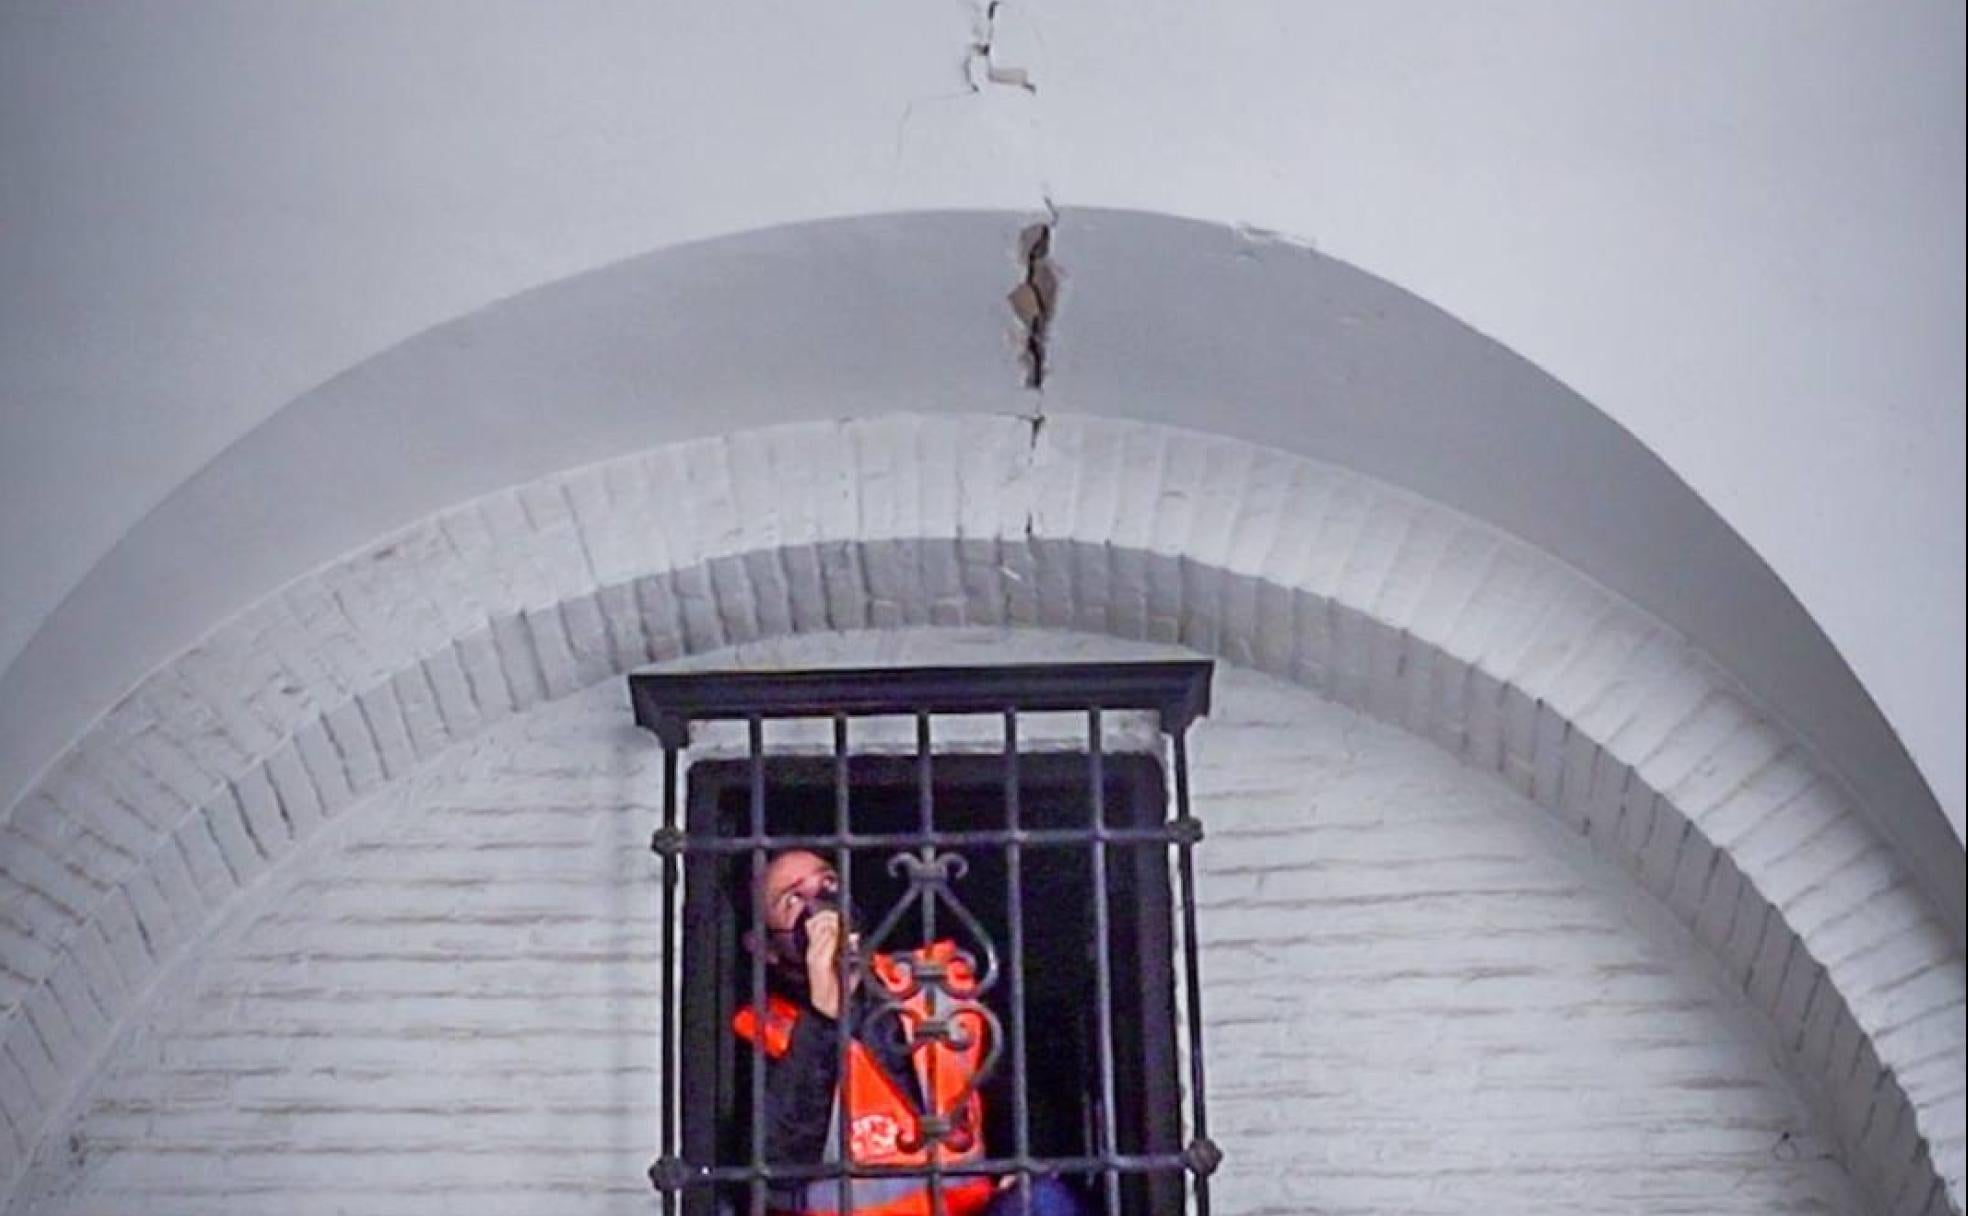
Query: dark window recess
(1051, 870)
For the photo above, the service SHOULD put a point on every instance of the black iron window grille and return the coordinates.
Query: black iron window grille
(1082, 833)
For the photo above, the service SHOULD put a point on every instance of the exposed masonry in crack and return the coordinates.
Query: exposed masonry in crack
(980, 68)
(1036, 299)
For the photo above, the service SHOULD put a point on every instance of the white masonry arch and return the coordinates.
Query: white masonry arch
(228, 757)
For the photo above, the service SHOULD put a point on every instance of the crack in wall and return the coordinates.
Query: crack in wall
(981, 66)
(1035, 300)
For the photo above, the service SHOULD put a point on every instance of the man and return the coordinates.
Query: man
(886, 1082)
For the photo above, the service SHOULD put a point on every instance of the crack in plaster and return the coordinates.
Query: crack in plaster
(980, 64)
(1036, 297)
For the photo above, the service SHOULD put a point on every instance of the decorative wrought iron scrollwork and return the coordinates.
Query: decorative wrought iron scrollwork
(936, 1000)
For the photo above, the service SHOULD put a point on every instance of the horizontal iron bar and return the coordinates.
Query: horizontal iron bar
(1159, 1163)
(1175, 832)
(667, 702)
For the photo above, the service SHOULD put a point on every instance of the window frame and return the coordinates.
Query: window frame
(1148, 1106)
(1177, 692)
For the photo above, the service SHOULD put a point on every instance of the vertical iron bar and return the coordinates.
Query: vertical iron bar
(847, 965)
(1104, 1020)
(1015, 898)
(755, 739)
(926, 809)
(926, 806)
(670, 1087)
(1192, 977)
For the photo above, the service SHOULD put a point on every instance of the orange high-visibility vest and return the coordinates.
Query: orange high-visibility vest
(880, 1117)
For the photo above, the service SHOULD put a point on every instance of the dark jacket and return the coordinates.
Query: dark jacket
(799, 1085)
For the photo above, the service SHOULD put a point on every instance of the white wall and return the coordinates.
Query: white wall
(445, 1003)
(1734, 227)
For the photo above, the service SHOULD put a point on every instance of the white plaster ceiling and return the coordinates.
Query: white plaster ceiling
(1734, 228)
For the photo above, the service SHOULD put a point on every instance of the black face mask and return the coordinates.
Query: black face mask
(825, 901)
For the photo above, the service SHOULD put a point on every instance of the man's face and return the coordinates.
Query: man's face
(791, 882)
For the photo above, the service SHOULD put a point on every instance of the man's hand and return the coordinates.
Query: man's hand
(823, 933)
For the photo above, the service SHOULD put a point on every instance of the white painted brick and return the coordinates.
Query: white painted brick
(609, 537)
(169, 873)
(159, 929)
(734, 599)
(537, 524)
(294, 790)
(1465, 563)
(260, 808)
(847, 593)
(1423, 548)
(1387, 690)
(1239, 640)
(66, 894)
(1605, 795)
(1921, 1036)
(354, 747)
(1915, 990)
(189, 748)
(1519, 743)
(108, 755)
(662, 620)
(805, 587)
(1596, 672)
(1551, 748)
(1636, 824)
(32, 915)
(83, 1014)
(544, 637)
(1817, 1039)
(1448, 703)
(1696, 869)
(628, 649)
(51, 1028)
(697, 609)
(229, 677)
(1219, 490)
(1776, 953)
(1052, 585)
(1352, 656)
(25, 955)
(1090, 574)
(979, 571)
(1797, 991)
(80, 795)
(226, 823)
(325, 768)
(1660, 856)
(1769, 790)
(18, 1099)
(1498, 606)
(1872, 903)
(765, 574)
(416, 701)
(88, 862)
(1792, 870)
(99, 972)
(1164, 595)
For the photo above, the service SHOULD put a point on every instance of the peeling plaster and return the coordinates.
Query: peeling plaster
(981, 66)
(1036, 298)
